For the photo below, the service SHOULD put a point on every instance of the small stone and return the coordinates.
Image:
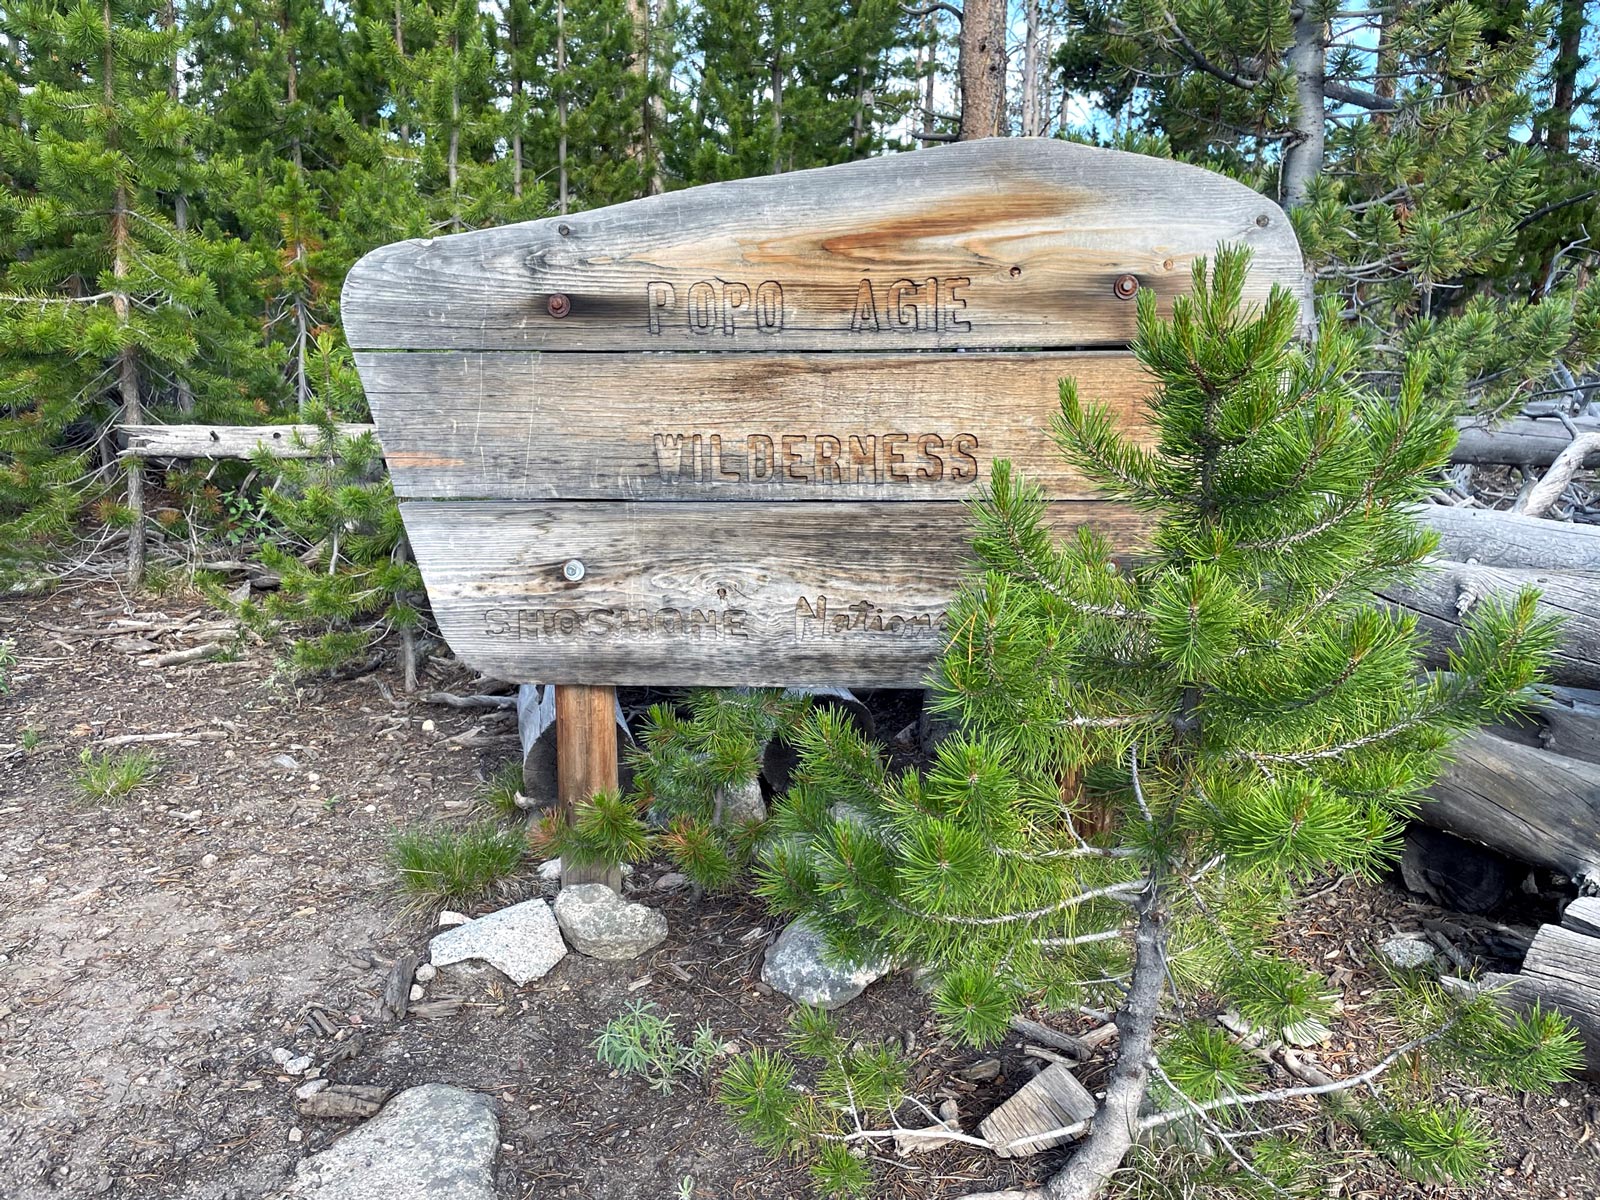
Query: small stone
(426, 972)
(282, 1056)
(307, 1090)
(797, 965)
(427, 727)
(671, 882)
(981, 1071)
(550, 870)
(418, 991)
(285, 762)
(523, 941)
(601, 924)
(208, 861)
(449, 919)
(428, 1143)
(295, 1136)
(1407, 953)
(298, 1066)
(741, 803)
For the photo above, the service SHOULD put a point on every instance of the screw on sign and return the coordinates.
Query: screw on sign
(650, 443)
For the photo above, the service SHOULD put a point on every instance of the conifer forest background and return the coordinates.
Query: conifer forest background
(185, 183)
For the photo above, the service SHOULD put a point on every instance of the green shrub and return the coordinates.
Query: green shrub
(641, 1041)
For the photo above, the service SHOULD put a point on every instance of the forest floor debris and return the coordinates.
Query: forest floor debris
(151, 960)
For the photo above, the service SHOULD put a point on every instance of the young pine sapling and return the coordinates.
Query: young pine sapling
(1230, 703)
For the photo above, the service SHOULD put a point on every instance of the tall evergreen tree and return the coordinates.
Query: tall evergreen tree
(108, 310)
(1397, 135)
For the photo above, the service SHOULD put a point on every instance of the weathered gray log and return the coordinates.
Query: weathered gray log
(1502, 539)
(229, 441)
(1561, 972)
(1568, 724)
(1521, 441)
(1538, 807)
(1583, 916)
(1444, 596)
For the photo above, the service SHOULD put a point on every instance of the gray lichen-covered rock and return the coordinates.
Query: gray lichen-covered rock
(1408, 953)
(795, 965)
(523, 941)
(740, 803)
(601, 924)
(429, 1143)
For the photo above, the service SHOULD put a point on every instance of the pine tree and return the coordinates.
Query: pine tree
(110, 306)
(1238, 702)
(1397, 136)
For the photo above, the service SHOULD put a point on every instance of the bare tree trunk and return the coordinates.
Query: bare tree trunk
(561, 101)
(122, 307)
(1032, 109)
(777, 103)
(927, 61)
(1563, 98)
(1116, 1123)
(656, 106)
(180, 202)
(400, 49)
(516, 107)
(1302, 155)
(983, 69)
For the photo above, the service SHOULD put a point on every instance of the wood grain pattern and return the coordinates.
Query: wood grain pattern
(522, 426)
(1003, 243)
(848, 593)
(1053, 1099)
(228, 441)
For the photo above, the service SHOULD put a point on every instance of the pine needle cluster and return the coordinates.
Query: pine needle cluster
(690, 761)
(1227, 699)
(857, 1090)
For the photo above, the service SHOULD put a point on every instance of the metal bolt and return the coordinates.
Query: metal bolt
(563, 229)
(1126, 287)
(1263, 220)
(573, 569)
(559, 305)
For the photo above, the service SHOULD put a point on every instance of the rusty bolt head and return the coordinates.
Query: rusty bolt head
(1126, 287)
(559, 305)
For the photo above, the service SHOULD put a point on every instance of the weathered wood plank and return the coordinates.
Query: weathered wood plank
(535, 426)
(849, 593)
(1005, 243)
(1053, 1099)
(228, 441)
(1583, 916)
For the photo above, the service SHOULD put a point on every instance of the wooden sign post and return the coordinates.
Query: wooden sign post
(720, 436)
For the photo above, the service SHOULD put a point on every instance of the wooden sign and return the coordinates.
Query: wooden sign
(720, 436)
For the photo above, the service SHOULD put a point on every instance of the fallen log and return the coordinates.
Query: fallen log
(1568, 724)
(1561, 972)
(229, 441)
(1492, 538)
(1521, 441)
(1445, 596)
(1538, 807)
